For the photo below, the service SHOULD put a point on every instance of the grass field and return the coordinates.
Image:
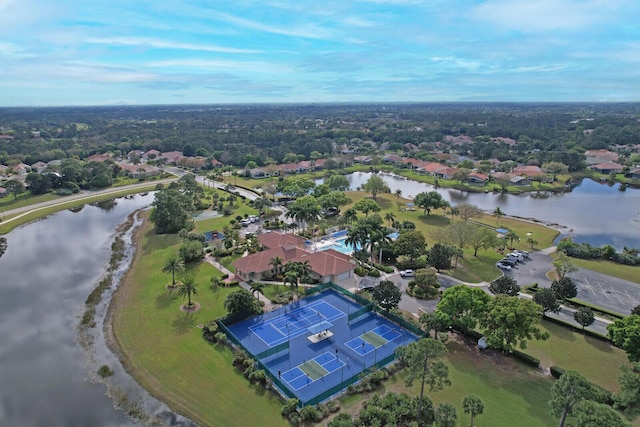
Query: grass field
(469, 268)
(595, 359)
(164, 349)
(625, 272)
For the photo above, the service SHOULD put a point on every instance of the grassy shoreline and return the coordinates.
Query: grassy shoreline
(163, 350)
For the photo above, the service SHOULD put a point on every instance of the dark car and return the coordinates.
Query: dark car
(509, 262)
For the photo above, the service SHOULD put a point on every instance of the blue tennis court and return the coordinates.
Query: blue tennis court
(297, 379)
(317, 317)
(310, 347)
(361, 346)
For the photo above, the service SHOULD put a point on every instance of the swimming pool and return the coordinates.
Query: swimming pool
(341, 246)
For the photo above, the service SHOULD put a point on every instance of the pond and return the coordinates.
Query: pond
(593, 212)
(48, 270)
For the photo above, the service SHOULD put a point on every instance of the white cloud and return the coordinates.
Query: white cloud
(162, 44)
(545, 15)
(309, 31)
(245, 66)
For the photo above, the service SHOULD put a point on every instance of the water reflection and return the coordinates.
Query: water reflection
(48, 270)
(592, 212)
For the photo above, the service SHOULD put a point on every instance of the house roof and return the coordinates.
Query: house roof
(479, 175)
(608, 165)
(528, 170)
(275, 239)
(323, 263)
(259, 262)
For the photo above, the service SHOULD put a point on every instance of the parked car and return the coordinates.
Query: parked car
(503, 266)
(245, 222)
(512, 257)
(253, 218)
(507, 261)
(522, 252)
(407, 273)
(518, 256)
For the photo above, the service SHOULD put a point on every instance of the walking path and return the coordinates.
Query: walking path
(268, 306)
(26, 210)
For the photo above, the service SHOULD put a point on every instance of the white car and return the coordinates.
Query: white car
(523, 253)
(407, 273)
(503, 266)
(245, 222)
(517, 256)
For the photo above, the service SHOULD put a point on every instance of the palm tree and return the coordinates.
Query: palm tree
(173, 265)
(301, 270)
(398, 194)
(511, 236)
(276, 262)
(498, 213)
(256, 288)
(291, 278)
(453, 211)
(350, 215)
(389, 216)
(188, 288)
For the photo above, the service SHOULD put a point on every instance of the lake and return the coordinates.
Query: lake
(48, 270)
(593, 212)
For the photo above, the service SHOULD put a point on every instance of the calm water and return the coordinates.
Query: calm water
(48, 271)
(592, 212)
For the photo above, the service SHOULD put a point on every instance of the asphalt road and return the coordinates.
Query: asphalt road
(595, 288)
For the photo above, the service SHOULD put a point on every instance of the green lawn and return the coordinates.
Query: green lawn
(595, 359)
(166, 353)
(469, 268)
(25, 199)
(625, 272)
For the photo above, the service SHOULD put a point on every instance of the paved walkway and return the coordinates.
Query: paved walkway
(268, 306)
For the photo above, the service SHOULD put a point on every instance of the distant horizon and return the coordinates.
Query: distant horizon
(328, 103)
(74, 53)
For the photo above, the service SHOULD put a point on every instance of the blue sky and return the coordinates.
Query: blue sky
(88, 52)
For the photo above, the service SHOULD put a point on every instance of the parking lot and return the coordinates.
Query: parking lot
(595, 288)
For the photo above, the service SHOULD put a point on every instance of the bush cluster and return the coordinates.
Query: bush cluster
(587, 251)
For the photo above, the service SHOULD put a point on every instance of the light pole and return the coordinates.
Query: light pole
(289, 344)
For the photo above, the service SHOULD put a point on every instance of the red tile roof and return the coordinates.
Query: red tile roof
(275, 239)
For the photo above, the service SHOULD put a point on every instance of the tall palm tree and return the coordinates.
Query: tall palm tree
(453, 211)
(378, 237)
(398, 194)
(188, 288)
(276, 262)
(301, 270)
(257, 288)
(498, 213)
(350, 215)
(173, 265)
(389, 216)
(511, 236)
(291, 278)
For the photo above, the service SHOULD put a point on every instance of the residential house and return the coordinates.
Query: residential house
(258, 173)
(478, 178)
(99, 158)
(21, 169)
(170, 157)
(520, 181)
(151, 155)
(635, 173)
(392, 159)
(3, 170)
(607, 168)
(444, 172)
(3, 192)
(527, 170)
(38, 166)
(140, 171)
(594, 157)
(365, 160)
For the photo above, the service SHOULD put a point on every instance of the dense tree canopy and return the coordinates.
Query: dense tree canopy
(509, 322)
(625, 333)
(170, 212)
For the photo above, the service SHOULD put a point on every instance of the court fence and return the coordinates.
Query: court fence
(340, 387)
